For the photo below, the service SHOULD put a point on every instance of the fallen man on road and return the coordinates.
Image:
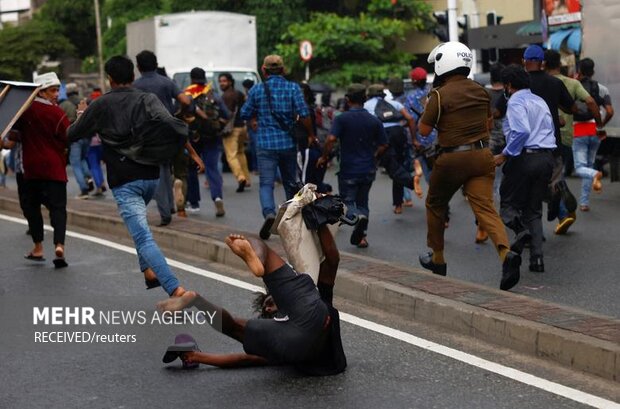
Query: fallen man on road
(304, 333)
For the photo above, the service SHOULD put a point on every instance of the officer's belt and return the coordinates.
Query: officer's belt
(464, 148)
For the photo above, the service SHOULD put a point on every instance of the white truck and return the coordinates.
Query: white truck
(212, 40)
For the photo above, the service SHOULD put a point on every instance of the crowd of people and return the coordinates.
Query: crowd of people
(507, 145)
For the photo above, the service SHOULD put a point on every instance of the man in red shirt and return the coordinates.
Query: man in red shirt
(42, 130)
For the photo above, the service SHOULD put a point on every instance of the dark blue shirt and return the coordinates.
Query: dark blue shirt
(165, 89)
(287, 102)
(360, 134)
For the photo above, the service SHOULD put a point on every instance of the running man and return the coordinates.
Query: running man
(306, 333)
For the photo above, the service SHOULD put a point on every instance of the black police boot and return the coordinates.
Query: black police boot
(426, 261)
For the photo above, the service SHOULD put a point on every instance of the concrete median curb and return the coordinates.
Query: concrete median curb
(575, 338)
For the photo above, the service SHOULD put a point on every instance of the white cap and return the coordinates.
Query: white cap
(49, 79)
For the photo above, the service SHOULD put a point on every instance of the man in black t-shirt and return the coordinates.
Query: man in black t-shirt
(304, 333)
(555, 94)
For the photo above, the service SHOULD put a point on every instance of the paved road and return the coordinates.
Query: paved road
(581, 267)
(383, 372)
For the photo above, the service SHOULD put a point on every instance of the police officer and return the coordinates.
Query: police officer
(459, 109)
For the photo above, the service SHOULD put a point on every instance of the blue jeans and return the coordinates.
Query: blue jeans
(132, 199)
(354, 191)
(268, 162)
(584, 153)
(77, 158)
(95, 156)
(212, 157)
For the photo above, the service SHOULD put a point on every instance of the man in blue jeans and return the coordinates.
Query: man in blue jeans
(273, 119)
(133, 184)
(362, 140)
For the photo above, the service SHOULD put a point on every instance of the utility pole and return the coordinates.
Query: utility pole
(453, 30)
(99, 47)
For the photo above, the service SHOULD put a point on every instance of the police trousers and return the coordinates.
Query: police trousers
(475, 172)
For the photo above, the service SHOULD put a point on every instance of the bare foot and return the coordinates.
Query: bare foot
(149, 274)
(177, 303)
(597, 185)
(37, 251)
(242, 247)
(417, 187)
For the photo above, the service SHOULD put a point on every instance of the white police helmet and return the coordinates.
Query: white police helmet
(49, 79)
(450, 56)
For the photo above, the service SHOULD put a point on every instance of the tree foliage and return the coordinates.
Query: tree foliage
(353, 48)
(76, 21)
(22, 48)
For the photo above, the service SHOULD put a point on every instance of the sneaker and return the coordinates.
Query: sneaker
(219, 208)
(265, 230)
(91, 184)
(99, 193)
(83, 196)
(192, 209)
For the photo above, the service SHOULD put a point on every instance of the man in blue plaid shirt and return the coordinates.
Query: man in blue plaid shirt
(273, 122)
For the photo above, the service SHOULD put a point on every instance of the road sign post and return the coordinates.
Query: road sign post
(305, 52)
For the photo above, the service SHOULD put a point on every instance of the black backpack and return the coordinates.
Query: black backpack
(583, 114)
(386, 112)
(210, 128)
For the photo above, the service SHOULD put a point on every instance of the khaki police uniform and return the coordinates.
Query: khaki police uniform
(460, 109)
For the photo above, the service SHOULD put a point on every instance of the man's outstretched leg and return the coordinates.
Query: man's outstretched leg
(259, 258)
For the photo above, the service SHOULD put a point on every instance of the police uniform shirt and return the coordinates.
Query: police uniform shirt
(463, 115)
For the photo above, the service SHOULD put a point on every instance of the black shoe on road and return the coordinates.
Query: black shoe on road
(537, 265)
(265, 231)
(426, 261)
(510, 271)
(521, 241)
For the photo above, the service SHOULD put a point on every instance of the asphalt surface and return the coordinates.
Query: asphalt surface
(382, 372)
(581, 267)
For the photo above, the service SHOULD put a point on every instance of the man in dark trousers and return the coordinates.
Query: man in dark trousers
(363, 140)
(528, 163)
(168, 92)
(306, 333)
(555, 94)
(133, 182)
(42, 131)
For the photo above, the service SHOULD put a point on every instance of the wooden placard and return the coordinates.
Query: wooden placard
(15, 98)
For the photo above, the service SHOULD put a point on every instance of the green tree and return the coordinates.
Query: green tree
(354, 48)
(271, 25)
(121, 12)
(76, 20)
(22, 48)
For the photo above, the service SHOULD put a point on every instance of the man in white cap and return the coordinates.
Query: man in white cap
(42, 130)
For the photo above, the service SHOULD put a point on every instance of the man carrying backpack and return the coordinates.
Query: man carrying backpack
(138, 133)
(205, 134)
(588, 132)
(392, 114)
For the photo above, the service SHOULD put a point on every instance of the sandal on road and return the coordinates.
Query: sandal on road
(32, 257)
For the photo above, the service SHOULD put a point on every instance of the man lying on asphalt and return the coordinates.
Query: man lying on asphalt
(306, 332)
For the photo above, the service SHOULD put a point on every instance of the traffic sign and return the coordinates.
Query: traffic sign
(305, 50)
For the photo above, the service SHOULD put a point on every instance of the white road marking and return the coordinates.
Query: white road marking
(505, 371)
